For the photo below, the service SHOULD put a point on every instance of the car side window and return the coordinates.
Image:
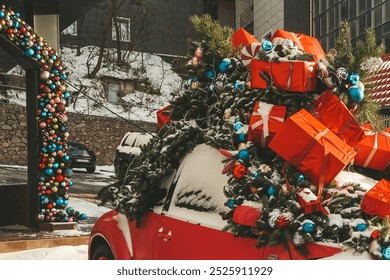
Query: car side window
(196, 194)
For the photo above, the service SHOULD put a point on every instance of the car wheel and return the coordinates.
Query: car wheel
(91, 169)
(103, 252)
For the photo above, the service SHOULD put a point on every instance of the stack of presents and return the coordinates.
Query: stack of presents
(322, 142)
(319, 142)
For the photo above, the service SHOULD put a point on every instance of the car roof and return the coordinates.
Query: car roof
(135, 139)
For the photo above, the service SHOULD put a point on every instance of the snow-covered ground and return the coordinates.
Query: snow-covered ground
(134, 106)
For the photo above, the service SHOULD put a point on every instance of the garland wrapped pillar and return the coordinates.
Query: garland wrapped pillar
(49, 173)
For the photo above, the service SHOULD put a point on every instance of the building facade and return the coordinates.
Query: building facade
(152, 26)
(262, 18)
(361, 14)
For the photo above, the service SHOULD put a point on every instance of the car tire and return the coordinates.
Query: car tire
(91, 169)
(103, 252)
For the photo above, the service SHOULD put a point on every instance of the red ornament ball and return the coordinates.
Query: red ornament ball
(239, 171)
(59, 178)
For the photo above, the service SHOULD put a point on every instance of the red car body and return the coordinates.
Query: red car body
(186, 224)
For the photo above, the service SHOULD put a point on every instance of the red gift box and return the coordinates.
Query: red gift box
(312, 148)
(374, 150)
(243, 37)
(304, 42)
(309, 202)
(265, 122)
(163, 116)
(377, 200)
(246, 215)
(332, 112)
(295, 76)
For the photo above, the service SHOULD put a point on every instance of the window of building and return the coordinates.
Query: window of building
(70, 30)
(113, 92)
(322, 25)
(123, 29)
(331, 20)
(386, 11)
(362, 6)
(378, 15)
(344, 10)
(352, 8)
(386, 28)
(315, 8)
(322, 6)
(369, 18)
(361, 24)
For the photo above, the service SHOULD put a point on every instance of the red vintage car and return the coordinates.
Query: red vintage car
(186, 224)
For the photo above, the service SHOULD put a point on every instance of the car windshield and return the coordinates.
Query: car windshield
(77, 152)
(136, 139)
(198, 196)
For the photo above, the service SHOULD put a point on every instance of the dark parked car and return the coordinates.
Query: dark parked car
(81, 157)
(128, 148)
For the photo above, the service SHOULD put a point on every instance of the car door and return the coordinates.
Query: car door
(190, 226)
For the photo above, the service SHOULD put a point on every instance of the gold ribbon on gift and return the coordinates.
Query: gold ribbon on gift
(263, 111)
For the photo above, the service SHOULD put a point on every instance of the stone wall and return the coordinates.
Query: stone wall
(101, 134)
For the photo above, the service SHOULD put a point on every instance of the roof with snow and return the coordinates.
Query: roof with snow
(381, 80)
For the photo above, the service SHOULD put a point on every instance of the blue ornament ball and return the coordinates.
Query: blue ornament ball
(65, 219)
(2, 15)
(238, 126)
(30, 52)
(56, 165)
(361, 227)
(386, 253)
(82, 216)
(266, 45)
(242, 137)
(239, 85)
(52, 86)
(69, 172)
(59, 201)
(308, 227)
(224, 65)
(70, 183)
(301, 178)
(353, 79)
(66, 158)
(49, 171)
(243, 155)
(272, 191)
(231, 203)
(356, 94)
(210, 74)
(69, 210)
